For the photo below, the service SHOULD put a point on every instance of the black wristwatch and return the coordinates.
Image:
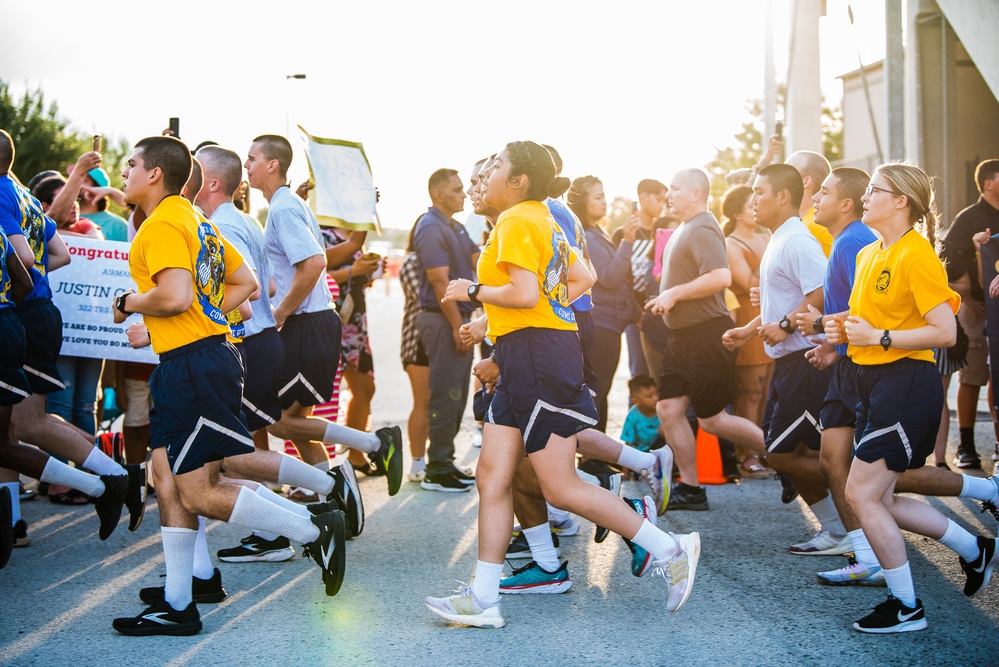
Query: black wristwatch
(886, 340)
(473, 294)
(785, 325)
(119, 302)
(818, 326)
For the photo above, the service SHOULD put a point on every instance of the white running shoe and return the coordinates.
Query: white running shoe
(678, 571)
(565, 528)
(477, 437)
(463, 609)
(822, 543)
(658, 477)
(853, 574)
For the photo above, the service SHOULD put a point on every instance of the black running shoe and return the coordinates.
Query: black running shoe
(21, 534)
(255, 549)
(135, 497)
(6, 530)
(893, 616)
(160, 618)
(967, 457)
(518, 547)
(328, 549)
(203, 591)
(684, 497)
(787, 491)
(388, 458)
(109, 504)
(322, 508)
(464, 477)
(979, 571)
(446, 482)
(347, 495)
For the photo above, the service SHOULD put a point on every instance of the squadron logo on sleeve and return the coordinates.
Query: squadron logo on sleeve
(210, 268)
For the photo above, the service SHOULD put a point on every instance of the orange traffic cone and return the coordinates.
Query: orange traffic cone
(709, 463)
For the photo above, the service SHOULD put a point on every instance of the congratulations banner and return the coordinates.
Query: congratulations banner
(83, 292)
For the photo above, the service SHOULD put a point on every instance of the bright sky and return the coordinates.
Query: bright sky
(625, 89)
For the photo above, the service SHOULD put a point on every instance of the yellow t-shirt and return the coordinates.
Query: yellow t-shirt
(818, 231)
(894, 289)
(175, 236)
(526, 235)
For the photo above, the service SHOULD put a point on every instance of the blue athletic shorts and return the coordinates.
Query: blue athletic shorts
(839, 409)
(43, 331)
(14, 386)
(264, 358)
(792, 414)
(196, 391)
(898, 413)
(541, 389)
(311, 355)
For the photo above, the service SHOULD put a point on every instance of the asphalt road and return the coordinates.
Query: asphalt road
(752, 604)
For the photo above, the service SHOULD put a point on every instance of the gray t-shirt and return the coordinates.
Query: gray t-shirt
(696, 247)
(292, 236)
(792, 266)
(242, 231)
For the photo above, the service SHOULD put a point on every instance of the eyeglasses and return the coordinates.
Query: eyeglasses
(871, 189)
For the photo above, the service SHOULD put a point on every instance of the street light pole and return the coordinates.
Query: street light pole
(287, 108)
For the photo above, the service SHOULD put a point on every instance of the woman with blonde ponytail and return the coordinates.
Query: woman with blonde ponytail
(900, 309)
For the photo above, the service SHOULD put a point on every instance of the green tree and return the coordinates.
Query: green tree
(42, 138)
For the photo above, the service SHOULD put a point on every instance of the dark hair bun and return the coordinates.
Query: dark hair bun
(558, 186)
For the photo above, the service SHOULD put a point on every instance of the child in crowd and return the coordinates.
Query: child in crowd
(641, 426)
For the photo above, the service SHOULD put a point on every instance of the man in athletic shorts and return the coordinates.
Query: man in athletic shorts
(41, 250)
(189, 278)
(304, 315)
(791, 275)
(696, 369)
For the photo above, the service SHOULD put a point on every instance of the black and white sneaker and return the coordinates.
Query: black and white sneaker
(979, 571)
(967, 457)
(203, 591)
(788, 492)
(255, 549)
(160, 618)
(893, 616)
(327, 550)
(388, 458)
(135, 496)
(21, 534)
(519, 548)
(109, 503)
(347, 495)
(446, 482)
(465, 476)
(6, 529)
(322, 508)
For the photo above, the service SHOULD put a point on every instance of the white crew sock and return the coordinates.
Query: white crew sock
(253, 512)
(178, 556)
(281, 501)
(100, 463)
(203, 568)
(417, 466)
(556, 515)
(15, 500)
(825, 511)
(978, 488)
(296, 473)
(539, 538)
(587, 477)
(632, 459)
(899, 583)
(323, 466)
(359, 440)
(57, 472)
(661, 545)
(485, 585)
(960, 541)
(862, 551)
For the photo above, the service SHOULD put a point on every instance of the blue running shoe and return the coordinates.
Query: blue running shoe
(532, 578)
(641, 560)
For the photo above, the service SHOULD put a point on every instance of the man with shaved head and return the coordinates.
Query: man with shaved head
(696, 367)
(813, 169)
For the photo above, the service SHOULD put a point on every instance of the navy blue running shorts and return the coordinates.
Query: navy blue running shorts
(697, 365)
(839, 409)
(541, 389)
(898, 413)
(311, 355)
(14, 386)
(263, 359)
(43, 331)
(791, 416)
(197, 390)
